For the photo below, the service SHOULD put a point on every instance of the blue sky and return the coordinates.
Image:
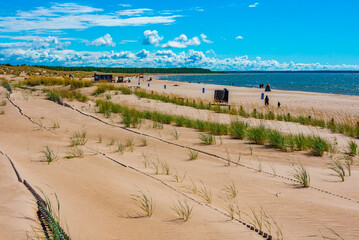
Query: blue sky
(220, 35)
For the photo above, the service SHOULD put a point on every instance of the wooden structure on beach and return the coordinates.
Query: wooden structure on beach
(102, 77)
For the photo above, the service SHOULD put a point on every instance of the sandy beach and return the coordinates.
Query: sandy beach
(97, 190)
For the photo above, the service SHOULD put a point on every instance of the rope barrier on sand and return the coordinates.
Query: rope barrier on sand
(47, 221)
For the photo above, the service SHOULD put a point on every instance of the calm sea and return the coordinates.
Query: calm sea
(337, 83)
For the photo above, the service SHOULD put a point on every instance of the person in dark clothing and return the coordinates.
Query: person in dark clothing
(278, 104)
(266, 100)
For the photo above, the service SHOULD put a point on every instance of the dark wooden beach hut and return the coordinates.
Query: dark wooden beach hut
(102, 77)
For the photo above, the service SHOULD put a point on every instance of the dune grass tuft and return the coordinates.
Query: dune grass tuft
(145, 202)
(338, 168)
(207, 139)
(78, 138)
(352, 147)
(192, 154)
(48, 155)
(301, 174)
(182, 209)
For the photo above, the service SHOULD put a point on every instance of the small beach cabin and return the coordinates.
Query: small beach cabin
(102, 77)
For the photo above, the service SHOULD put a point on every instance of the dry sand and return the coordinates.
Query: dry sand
(96, 193)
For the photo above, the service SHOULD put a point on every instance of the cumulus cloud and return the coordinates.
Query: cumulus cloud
(239, 37)
(253, 5)
(36, 42)
(74, 16)
(210, 52)
(182, 42)
(151, 38)
(143, 53)
(165, 53)
(103, 41)
(16, 54)
(204, 39)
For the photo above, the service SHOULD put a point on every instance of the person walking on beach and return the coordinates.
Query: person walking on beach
(266, 100)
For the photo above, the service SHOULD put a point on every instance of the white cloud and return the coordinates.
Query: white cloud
(165, 53)
(210, 52)
(182, 42)
(143, 53)
(204, 39)
(36, 42)
(151, 38)
(134, 12)
(239, 37)
(125, 5)
(18, 54)
(127, 41)
(74, 16)
(253, 5)
(174, 44)
(103, 41)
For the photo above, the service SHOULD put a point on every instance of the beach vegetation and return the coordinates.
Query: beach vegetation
(205, 193)
(352, 147)
(192, 154)
(301, 174)
(182, 209)
(177, 177)
(143, 141)
(207, 139)
(145, 202)
(338, 168)
(78, 138)
(75, 152)
(48, 155)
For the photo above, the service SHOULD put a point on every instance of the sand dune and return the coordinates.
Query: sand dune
(96, 192)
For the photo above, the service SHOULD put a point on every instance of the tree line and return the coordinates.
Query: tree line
(127, 70)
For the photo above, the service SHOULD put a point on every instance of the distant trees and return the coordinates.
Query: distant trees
(127, 70)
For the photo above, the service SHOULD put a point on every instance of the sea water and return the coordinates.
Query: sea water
(346, 83)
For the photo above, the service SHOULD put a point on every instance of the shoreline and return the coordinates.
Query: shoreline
(296, 101)
(254, 87)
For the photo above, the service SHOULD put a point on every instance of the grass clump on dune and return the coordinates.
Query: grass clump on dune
(257, 135)
(78, 138)
(352, 147)
(182, 209)
(48, 155)
(207, 139)
(145, 202)
(237, 129)
(301, 174)
(54, 95)
(338, 168)
(192, 154)
(52, 81)
(318, 146)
